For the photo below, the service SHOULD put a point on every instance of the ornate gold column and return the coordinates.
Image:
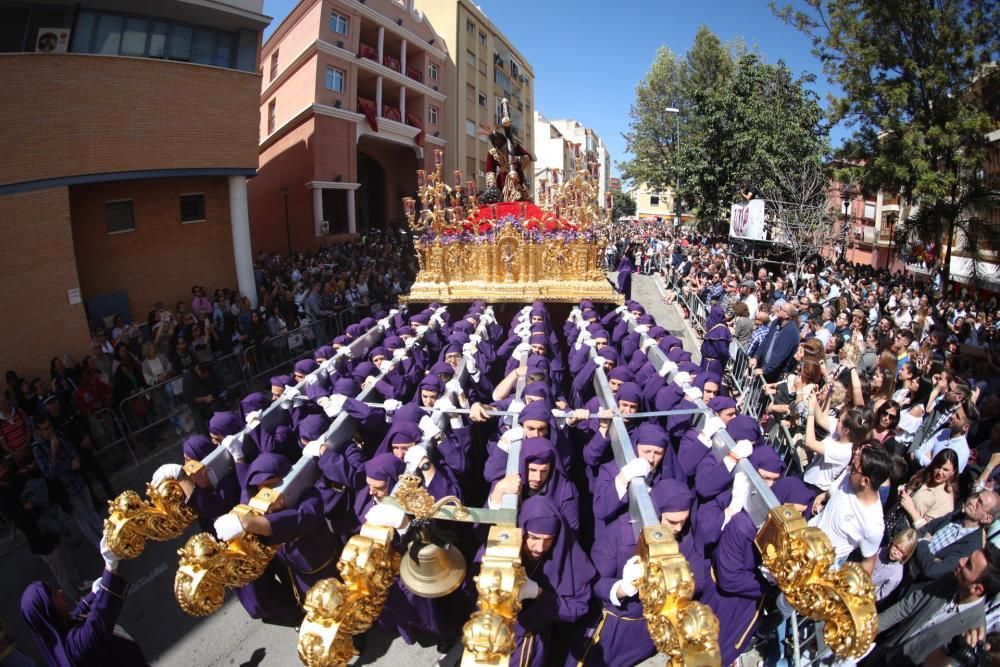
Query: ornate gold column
(131, 520)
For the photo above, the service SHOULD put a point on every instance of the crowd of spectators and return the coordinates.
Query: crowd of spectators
(51, 429)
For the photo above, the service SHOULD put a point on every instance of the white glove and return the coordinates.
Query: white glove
(468, 348)
(385, 366)
(253, 417)
(633, 570)
(369, 382)
(580, 336)
(384, 514)
(667, 368)
(384, 323)
(428, 427)
(399, 354)
(335, 405)
(647, 343)
(637, 467)
(228, 527)
(692, 393)
(312, 378)
(626, 589)
(528, 591)
(522, 351)
(288, 396)
(621, 309)
(742, 449)
(437, 318)
(314, 448)
(444, 403)
(95, 586)
(510, 436)
(741, 486)
(390, 405)
(411, 343)
(712, 426)
(470, 363)
(414, 456)
(475, 338)
(347, 352)
(641, 329)
(393, 312)
(167, 471)
(110, 559)
(420, 329)
(234, 444)
(682, 378)
(453, 386)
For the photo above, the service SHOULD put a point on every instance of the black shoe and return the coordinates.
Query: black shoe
(359, 643)
(444, 647)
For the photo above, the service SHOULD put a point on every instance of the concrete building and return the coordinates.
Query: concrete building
(129, 131)
(553, 137)
(354, 101)
(484, 67)
(653, 203)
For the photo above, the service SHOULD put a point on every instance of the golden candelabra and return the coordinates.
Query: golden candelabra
(442, 205)
(686, 632)
(208, 565)
(576, 196)
(131, 520)
(801, 558)
(488, 636)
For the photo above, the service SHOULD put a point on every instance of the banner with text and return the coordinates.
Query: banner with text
(746, 220)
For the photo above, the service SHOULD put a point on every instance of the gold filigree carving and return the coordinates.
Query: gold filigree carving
(414, 498)
(131, 520)
(208, 566)
(686, 632)
(801, 558)
(488, 635)
(338, 610)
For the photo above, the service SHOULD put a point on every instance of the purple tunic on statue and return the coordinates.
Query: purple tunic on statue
(87, 638)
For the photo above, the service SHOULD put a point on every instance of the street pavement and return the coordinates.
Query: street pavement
(170, 638)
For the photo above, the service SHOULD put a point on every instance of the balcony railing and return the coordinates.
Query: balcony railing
(392, 113)
(414, 74)
(392, 63)
(366, 51)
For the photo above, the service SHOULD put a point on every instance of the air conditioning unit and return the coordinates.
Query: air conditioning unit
(52, 40)
(324, 227)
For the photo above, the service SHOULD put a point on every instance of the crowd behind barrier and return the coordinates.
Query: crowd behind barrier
(899, 478)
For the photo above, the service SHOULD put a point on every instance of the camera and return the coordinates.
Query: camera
(965, 655)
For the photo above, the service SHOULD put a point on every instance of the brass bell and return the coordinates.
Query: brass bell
(436, 571)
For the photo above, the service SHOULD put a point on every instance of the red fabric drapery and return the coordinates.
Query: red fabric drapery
(370, 52)
(414, 121)
(392, 113)
(367, 107)
(414, 74)
(392, 63)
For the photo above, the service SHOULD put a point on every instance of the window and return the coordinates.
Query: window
(470, 127)
(432, 115)
(272, 115)
(470, 58)
(432, 71)
(158, 40)
(109, 34)
(180, 43)
(470, 93)
(470, 26)
(501, 79)
(335, 79)
(338, 23)
(118, 215)
(204, 46)
(274, 64)
(482, 100)
(134, 37)
(193, 207)
(482, 38)
(515, 68)
(470, 167)
(654, 200)
(870, 210)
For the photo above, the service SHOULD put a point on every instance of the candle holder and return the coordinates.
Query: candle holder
(438, 155)
(421, 178)
(458, 178)
(493, 211)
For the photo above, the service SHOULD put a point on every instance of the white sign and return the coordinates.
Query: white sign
(52, 40)
(746, 220)
(74, 296)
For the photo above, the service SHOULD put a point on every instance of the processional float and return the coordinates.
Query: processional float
(501, 252)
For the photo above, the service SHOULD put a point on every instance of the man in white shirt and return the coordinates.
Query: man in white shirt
(748, 289)
(850, 513)
(953, 437)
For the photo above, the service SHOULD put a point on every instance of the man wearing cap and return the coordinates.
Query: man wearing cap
(748, 294)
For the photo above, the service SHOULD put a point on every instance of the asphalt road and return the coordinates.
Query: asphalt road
(168, 637)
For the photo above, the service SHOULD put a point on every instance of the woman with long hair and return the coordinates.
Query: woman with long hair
(931, 493)
(883, 382)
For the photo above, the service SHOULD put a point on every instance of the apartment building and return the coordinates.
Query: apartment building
(353, 102)
(556, 143)
(129, 134)
(484, 68)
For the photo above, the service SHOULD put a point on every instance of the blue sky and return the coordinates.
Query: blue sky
(588, 55)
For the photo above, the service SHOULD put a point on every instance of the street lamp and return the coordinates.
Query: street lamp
(890, 217)
(288, 228)
(846, 194)
(677, 145)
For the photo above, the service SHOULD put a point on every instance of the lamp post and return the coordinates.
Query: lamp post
(846, 194)
(677, 145)
(891, 218)
(288, 228)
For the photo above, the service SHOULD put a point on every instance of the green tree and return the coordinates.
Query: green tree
(912, 73)
(760, 123)
(652, 135)
(623, 205)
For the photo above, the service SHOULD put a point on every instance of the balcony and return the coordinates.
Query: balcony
(392, 63)
(415, 74)
(368, 51)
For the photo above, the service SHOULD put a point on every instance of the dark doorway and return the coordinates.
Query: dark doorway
(335, 210)
(371, 194)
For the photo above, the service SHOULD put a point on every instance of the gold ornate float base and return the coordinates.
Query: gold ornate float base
(488, 636)
(510, 268)
(338, 610)
(131, 520)
(801, 560)
(686, 632)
